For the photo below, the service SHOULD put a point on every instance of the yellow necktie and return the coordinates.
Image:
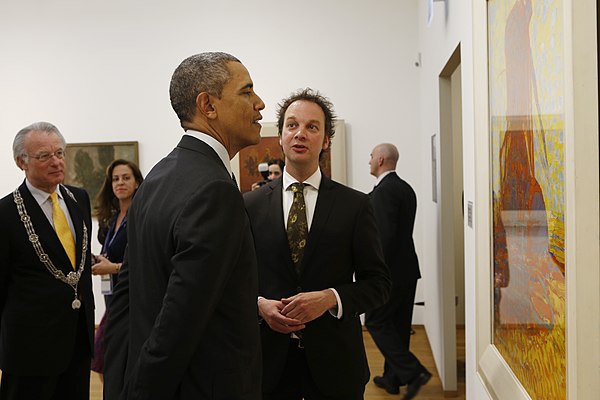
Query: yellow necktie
(62, 229)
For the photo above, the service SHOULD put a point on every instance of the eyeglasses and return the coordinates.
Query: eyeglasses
(45, 156)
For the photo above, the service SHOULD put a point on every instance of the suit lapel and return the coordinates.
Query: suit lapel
(45, 232)
(274, 197)
(325, 201)
(77, 219)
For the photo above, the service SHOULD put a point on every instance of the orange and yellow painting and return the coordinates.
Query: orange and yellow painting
(526, 104)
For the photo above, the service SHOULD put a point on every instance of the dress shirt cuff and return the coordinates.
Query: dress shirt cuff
(260, 318)
(338, 311)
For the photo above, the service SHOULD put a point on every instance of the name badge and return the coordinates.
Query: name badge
(106, 284)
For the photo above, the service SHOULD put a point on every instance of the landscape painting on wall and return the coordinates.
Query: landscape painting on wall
(527, 122)
(87, 163)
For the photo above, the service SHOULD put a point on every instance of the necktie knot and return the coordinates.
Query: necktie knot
(297, 187)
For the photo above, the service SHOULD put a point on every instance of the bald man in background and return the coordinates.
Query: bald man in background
(395, 206)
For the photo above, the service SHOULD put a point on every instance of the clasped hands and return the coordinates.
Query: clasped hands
(292, 313)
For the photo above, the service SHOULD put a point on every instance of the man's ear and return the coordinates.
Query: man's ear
(21, 163)
(204, 105)
(326, 142)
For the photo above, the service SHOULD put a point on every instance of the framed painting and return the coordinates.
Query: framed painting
(527, 162)
(86, 163)
(245, 164)
(538, 189)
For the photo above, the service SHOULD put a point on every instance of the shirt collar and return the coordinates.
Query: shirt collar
(380, 177)
(314, 180)
(214, 144)
(38, 194)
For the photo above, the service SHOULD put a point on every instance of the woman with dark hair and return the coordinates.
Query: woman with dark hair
(274, 171)
(275, 168)
(120, 184)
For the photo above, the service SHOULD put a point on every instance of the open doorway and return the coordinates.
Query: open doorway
(452, 212)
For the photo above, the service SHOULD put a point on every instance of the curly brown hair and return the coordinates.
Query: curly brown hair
(314, 96)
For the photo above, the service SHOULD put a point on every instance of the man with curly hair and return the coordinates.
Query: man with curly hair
(317, 235)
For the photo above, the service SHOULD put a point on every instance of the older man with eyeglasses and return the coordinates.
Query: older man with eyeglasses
(46, 300)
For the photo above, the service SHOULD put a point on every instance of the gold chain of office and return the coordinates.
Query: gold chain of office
(72, 278)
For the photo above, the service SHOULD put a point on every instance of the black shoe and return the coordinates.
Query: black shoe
(415, 385)
(383, 383)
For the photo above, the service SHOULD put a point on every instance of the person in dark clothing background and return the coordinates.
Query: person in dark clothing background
(121, 181)
(395, 205)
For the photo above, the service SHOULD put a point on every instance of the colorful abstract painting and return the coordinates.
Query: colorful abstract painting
(526, 104)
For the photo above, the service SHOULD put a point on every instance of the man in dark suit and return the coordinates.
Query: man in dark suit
(46, 300)
(184, 310)
(395, 205)
(311, 240)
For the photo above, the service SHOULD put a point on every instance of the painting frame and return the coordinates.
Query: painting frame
(582, 296)
(86, 163)
(434, 191)
(337, 151)
(498, 379)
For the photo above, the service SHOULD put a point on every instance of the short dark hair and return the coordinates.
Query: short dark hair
(314, 96)
(277, 161)
(204, 72)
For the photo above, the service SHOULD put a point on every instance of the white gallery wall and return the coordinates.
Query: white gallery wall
(100, 71)
(450, 27)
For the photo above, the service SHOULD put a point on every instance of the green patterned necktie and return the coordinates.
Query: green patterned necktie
(297, 226)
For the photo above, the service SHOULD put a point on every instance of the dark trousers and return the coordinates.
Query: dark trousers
(390, 327)
(72, 384)
(296, 381)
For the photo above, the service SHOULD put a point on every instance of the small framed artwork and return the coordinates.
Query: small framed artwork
(86, 163)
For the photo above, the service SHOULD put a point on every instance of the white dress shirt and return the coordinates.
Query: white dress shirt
(43, 199)
(311, 192)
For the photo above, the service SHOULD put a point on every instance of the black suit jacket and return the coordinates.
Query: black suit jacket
(184, 310)
(395, 206)
(342, 242)
(37, 323)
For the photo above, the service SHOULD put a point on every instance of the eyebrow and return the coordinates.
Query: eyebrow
(313, 121)
(247, 86)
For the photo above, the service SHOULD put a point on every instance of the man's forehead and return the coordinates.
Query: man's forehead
(239, 73)
(308, 107)
(40, 137)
